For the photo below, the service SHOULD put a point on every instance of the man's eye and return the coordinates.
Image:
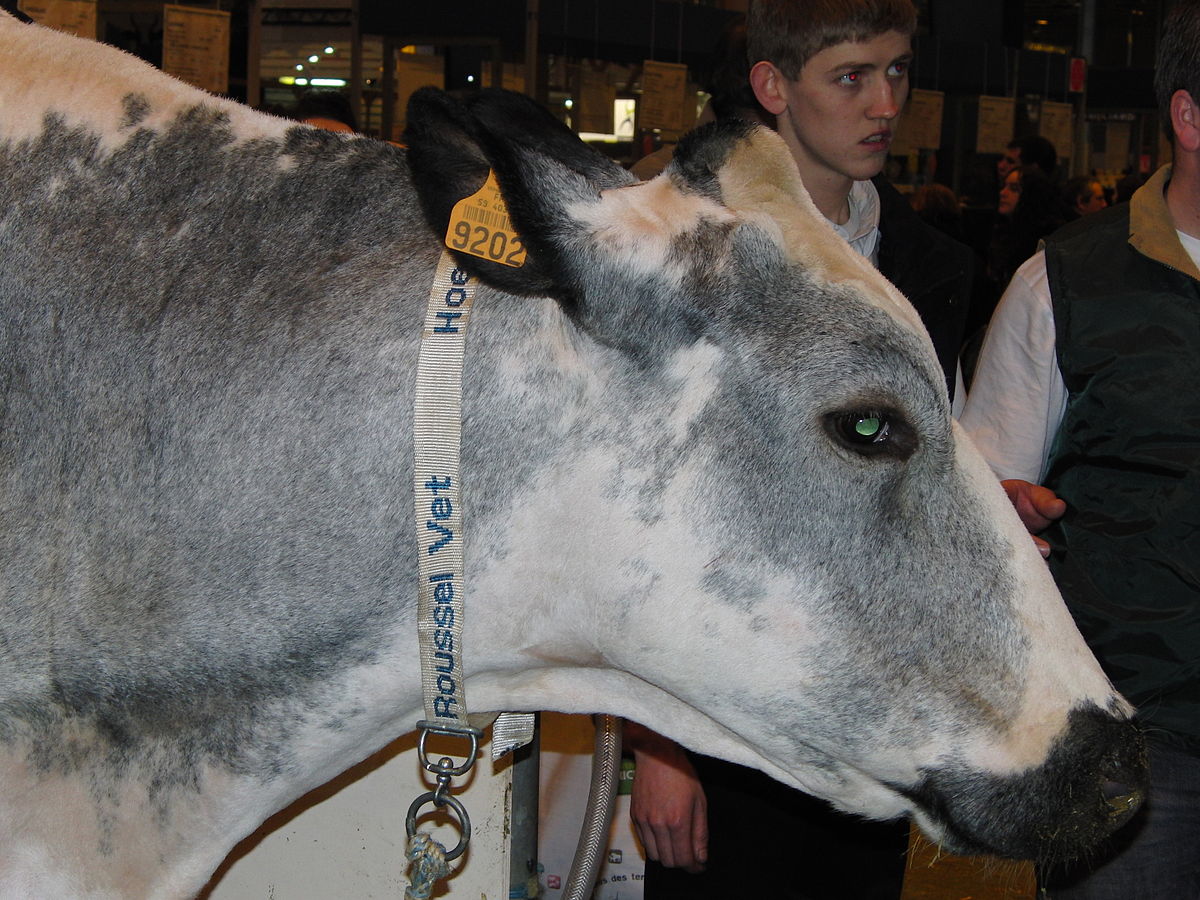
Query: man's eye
(895, 70)
(851, 78)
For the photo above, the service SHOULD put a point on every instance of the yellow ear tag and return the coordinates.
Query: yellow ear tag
(479, 226)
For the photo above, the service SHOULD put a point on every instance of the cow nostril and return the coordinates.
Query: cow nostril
(1123, 800)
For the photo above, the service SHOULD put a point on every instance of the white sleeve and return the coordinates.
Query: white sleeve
(960, 391)
(1017, 397)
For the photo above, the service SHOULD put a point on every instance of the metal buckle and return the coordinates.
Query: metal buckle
(445, 765)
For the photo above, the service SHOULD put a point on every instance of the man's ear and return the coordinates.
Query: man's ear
(1185, 121)
(767, 83)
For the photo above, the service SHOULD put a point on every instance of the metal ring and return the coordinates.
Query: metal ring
(438, 768)
(464, 821)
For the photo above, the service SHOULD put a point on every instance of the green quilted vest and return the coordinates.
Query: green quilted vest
(1126, 555)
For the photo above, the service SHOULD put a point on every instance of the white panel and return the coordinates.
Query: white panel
(346, 839)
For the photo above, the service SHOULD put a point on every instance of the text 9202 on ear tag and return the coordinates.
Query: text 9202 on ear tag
(479, 225)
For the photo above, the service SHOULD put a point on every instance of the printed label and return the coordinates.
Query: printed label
(439, 536)
(479, 225)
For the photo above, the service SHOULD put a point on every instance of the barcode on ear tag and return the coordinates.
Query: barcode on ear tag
(479, 225)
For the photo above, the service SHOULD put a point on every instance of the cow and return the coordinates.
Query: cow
(711, 480)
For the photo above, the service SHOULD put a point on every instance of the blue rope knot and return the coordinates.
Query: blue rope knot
(429, 865)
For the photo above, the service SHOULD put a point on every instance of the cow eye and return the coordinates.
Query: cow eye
(872, 433)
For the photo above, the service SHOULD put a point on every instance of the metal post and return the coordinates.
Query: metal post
(1086, 49)
(532, 18)
(387, 116)
(524, 835)
(254, 55)
(1087, 29)
(497, 65)
(356, 69)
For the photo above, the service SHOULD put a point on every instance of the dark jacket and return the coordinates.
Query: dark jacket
(929, 268)
(1126, 459)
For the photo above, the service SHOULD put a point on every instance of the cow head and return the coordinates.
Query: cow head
(773, 543)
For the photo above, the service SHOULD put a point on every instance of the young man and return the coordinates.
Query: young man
(1085, 405)
(835, 105)
(834, 74)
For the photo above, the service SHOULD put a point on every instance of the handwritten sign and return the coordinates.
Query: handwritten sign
(996, 118)
(920, 127)
(596, 98)
(76, 17)
(1055, 126)
(664, 86)
(196, 46)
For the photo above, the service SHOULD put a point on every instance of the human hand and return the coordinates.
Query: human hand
(667, 804)
(1037, 507)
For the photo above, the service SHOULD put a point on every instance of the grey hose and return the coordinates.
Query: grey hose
(602, 797)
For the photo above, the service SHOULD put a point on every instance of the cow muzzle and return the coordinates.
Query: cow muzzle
(1091, 783)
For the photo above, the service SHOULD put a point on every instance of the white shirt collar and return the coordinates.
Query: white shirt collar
(1191, 245)
(861, 229)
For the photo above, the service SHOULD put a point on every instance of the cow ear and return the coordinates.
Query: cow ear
(745, 167)
(541, 166)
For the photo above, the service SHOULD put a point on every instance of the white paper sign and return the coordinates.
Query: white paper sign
(996, 117)
(663, 88)
(1055, 126)
(196, 46)
(76, 17)
(596, 96)
(920, 127)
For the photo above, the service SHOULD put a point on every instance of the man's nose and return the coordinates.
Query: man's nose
(886, 102)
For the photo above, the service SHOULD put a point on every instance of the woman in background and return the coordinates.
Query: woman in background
(1030, 208)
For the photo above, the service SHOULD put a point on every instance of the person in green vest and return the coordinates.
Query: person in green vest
(1085, 403)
